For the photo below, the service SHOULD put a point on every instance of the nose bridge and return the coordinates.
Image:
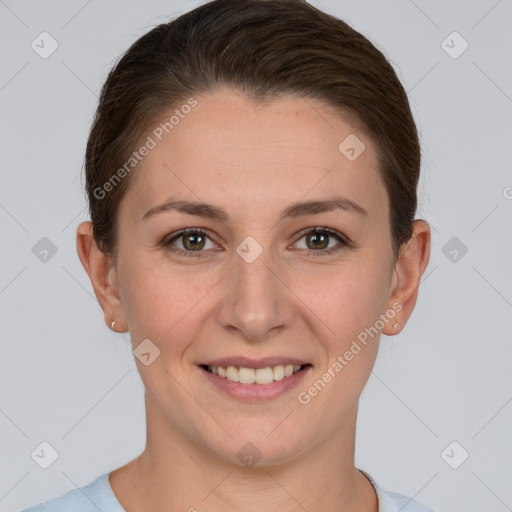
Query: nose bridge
(254, 302)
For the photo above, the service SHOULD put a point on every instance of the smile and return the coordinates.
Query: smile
(261, 376)
(254, 379)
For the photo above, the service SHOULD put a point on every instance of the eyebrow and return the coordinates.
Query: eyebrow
(299, 209)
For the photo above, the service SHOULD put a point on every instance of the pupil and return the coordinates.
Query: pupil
(322, 244)
(197, 239)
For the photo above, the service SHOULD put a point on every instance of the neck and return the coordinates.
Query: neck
(173, 473)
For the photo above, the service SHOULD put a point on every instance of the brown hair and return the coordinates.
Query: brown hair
(265, 49)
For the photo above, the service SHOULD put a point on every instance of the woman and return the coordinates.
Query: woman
(251, 173)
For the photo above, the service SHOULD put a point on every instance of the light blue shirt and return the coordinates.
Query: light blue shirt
(98, 495)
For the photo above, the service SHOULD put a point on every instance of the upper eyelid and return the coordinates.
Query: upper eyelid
(324, 229)
(187, 231)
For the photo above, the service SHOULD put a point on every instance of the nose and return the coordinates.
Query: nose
(256, 303)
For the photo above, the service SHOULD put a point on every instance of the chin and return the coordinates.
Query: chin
(258, 445)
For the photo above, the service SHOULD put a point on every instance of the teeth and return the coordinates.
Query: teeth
(264, 375)
(232, 374)
(278, 372)
(247, 375)
(259, 376)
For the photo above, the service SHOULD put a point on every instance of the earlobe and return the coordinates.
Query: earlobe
(411, 263)
(101, 272)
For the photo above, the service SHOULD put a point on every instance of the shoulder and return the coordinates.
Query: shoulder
(93, 497)
(393, 502)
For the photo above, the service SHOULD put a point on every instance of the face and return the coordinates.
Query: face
(287, 262)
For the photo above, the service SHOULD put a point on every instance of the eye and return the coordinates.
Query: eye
(318, 240)
(194, 241)
(189, 241)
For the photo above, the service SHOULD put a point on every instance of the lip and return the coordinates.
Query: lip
(248, 362)
(255, 392)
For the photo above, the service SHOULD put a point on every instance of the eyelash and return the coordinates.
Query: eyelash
(344, 242)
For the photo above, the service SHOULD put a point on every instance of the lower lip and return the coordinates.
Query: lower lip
(255, 392)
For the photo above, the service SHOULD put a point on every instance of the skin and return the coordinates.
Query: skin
(253, 161)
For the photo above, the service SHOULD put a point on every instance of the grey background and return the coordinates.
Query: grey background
(66, 379)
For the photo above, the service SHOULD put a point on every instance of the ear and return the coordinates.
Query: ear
(102, 274)
(411, 263)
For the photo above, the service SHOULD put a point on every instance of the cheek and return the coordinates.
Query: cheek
(157, 298)
(347, 298)
(350, 304)
(351, 307)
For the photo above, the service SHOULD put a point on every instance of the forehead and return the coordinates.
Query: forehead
(272, 152)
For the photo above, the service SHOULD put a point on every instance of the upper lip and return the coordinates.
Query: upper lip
(248, 362)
